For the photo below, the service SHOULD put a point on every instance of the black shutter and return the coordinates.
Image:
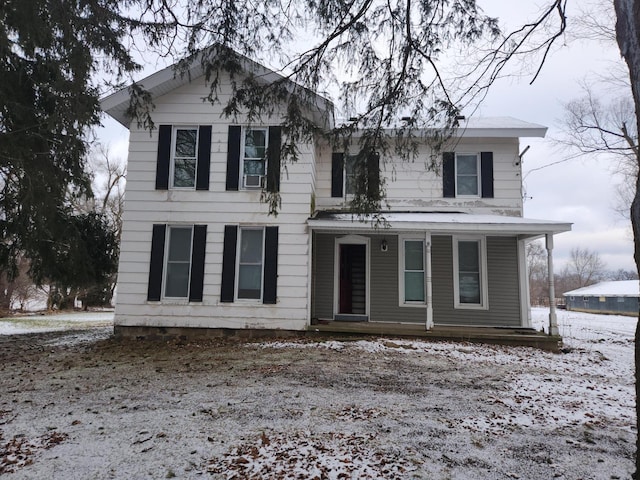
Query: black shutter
(373, 176)
(164, 157)
(486, 172)
(270, 280)
(337, 172)
(273, 159)
(229, 263)
(448, 174)
(233, 156)
(197, 263)
(154, 291)
(204, 157)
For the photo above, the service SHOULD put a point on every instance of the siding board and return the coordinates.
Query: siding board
(503, 285)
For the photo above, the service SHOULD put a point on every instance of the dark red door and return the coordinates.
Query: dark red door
(352, 299)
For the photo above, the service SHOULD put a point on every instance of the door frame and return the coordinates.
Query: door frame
(351, 240)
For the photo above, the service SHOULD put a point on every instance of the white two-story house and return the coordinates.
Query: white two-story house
(199, 249)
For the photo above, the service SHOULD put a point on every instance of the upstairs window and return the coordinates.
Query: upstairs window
(184, 158)
(254, 157)
(467, 175)
(350, 175)
(343, 175)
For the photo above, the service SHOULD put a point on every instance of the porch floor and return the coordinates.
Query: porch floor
(491, 335)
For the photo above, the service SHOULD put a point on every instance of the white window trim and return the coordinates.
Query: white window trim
(402, 239)
(346, 195)
(165, 264)
(351, 240)
(253, 301)
(266, 158)
(478, 176)
(172, 163)
(484, 290)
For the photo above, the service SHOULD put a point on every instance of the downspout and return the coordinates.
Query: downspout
(553, 319)
(428, 282)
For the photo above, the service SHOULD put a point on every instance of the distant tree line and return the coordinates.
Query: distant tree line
(81, 269)
(584, 268)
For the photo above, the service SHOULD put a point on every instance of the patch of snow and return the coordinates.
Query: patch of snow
(55, 322)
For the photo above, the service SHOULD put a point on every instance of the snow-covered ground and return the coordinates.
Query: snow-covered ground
(84, 405)
(38, 323)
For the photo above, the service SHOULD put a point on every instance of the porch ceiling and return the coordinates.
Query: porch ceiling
(441, 222)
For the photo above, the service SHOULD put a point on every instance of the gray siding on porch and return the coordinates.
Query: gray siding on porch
(322, 276)
(504, 286)
(384, 285)
(502, 264)
(384, 301)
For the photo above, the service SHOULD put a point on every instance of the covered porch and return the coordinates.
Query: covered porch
(434, 275)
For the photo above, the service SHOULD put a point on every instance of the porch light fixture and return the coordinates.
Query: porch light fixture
(384, 246)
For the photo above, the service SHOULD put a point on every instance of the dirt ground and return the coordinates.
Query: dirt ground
(83, 405)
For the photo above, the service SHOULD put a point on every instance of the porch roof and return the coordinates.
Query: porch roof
(440, 222)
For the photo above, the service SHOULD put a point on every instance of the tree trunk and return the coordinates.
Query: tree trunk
(635, 222)
(628, 37)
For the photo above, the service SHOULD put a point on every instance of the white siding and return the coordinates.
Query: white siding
(144, 206)
(411, 187)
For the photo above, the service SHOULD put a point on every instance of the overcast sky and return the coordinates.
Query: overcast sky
(581, 191)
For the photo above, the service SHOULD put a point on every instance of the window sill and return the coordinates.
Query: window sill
(173, 301)
(413, 304)
(462, 306)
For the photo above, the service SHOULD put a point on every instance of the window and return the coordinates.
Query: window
(249, 264)
(467, 177)
(254, 157)
(178, 262)
(185, 158)
(176, 269)
(350, 174)
(343, 174)
(470, 273)
(250, 261)
(412, 289)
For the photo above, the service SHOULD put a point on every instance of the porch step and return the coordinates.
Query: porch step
(490, 335)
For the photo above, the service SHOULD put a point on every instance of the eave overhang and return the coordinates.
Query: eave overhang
(439, 223)
(481, 127)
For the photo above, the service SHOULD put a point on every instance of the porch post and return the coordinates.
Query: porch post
(428, 281)
(553, 320)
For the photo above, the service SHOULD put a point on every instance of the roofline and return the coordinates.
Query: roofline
(117, 103)
(537, 132)
(532, 130)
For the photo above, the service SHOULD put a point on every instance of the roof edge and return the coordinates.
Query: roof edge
(169, 78)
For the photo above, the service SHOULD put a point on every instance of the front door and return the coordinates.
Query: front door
(352, 290)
